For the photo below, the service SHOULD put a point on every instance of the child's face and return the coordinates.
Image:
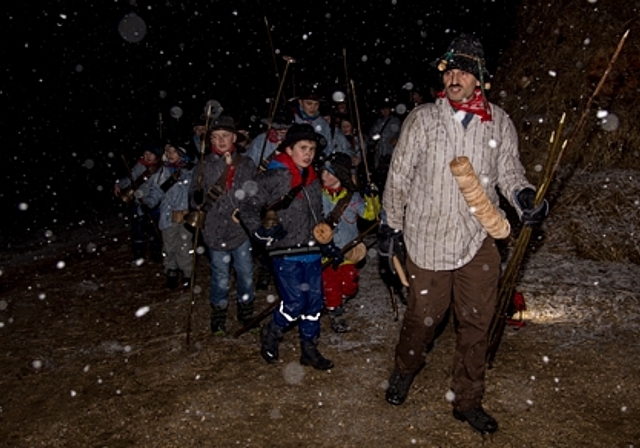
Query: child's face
(310, 107)
(149, 157)
(302, 152)
(172, 154)
(329, 180)
(223, 140)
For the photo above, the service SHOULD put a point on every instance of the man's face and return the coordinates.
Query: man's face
(302, 152)
(310, 107)
(459, 85)
(223, 140)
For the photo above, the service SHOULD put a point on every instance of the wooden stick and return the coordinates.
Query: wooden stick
(362, 143)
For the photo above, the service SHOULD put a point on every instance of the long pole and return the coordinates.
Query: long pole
(289, 60)
(360, 136)
(556, 151)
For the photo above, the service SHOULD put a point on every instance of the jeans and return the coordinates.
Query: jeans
(221, 261)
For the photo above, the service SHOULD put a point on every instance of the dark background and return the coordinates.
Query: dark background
(77, 95)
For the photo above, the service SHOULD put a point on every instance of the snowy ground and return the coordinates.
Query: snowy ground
(93, 353)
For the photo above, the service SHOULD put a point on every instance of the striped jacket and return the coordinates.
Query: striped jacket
(422, 197)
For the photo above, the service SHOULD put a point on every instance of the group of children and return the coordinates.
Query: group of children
(278, 211)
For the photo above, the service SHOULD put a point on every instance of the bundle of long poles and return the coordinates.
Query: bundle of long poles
(556, 152)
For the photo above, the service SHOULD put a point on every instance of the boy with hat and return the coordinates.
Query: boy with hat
(144, 222)
(289, 194)
(451, 259)
(263, 147)
(225, 175)
(341, 206)
(169, 189)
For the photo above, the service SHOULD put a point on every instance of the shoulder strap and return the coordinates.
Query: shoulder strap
(286, 200)
(334, 217)
(216, 190)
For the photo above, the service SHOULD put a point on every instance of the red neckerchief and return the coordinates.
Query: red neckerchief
(232, 168)
(273, 136)
(476, 105)
(296, 173)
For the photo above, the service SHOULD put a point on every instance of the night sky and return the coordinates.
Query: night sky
(79, 91)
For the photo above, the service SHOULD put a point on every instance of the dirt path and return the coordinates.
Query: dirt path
(79, 368)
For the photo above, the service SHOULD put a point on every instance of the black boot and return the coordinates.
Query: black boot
(338, 322)
(245, 312)
(270, 337)
(399, 385)
(172, 278)
(311, 356)
(478, 419)
(219, 321)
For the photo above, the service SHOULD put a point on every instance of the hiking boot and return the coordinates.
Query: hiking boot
(270, 336)
(172, 279)
(478, 419)
(399, 385)
(338, 322)
(219, 321)
(245, 312)
(311, 356)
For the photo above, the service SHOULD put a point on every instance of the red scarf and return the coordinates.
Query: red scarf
(476, 105)
(273, 136)
(333, 192)
(296, 173)
(232, 168)
(142, 161)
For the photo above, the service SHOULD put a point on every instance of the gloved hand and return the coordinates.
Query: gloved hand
(269, 235)
(331, 251)
(390, 243)
(371, 190)
(531, 215)
(198, 197)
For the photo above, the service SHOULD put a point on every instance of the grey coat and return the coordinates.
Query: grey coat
(221, 232)
(298, 219)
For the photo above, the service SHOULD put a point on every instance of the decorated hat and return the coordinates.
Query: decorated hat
(302, 131)
(339, 164)
(465, 52)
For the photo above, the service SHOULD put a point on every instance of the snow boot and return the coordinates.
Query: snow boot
(399, 385)
(172, 279)
(478, 419)
(270, 337)
(219, 321)
(311, 356)
(245, 312)
(338, 322)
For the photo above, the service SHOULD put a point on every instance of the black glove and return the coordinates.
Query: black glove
(198, 197)
(331, 251)
(371, 190)
(268, 236)
(390, 243)
(531, 215)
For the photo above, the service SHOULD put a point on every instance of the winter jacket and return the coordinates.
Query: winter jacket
(422, 197)
(221, 232)
(384, 132)
(338, 143)
(175, 198)
(143, 188)
(298, 219)
(347, 228)
(254, 150)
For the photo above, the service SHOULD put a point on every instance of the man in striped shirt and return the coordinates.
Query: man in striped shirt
(451, 260)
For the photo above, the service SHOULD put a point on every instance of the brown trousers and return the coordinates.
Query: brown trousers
(472, 290)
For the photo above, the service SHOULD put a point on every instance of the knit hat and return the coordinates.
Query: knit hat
(226, 123)
(282, 119)
(339, 164)
(465, 52)
(153, 148)
(302, 131)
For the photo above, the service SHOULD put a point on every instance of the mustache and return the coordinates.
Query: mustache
(453, 85)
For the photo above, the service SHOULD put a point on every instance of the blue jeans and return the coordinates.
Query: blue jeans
(220, 274)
